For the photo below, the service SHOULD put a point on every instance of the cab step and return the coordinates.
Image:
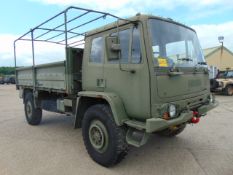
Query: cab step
(136, 134)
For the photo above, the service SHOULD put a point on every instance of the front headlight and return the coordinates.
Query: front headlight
(221, 84)
(172, 110)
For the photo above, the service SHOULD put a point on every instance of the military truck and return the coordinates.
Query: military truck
(223, 82)
(131, 78)
(2, 80)
(9, 79)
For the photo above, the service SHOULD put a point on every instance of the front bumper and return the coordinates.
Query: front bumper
(219, 89)
(156, 124)
(205, 108)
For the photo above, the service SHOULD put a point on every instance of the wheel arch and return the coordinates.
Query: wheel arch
(89, 98)
(229, 84)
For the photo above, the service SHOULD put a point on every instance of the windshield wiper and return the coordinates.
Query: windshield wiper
(185, 59)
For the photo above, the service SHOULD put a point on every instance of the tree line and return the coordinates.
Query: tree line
(7, 71)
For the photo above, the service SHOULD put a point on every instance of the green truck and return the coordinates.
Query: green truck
(122, 82)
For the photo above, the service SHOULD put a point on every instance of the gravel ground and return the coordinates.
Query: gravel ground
(54, 147)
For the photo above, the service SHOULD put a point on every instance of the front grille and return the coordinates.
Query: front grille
(195, 103)
(214, 84)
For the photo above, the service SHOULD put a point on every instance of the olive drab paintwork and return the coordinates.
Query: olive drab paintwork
(132, 88)
(138, 87)
(144, 91)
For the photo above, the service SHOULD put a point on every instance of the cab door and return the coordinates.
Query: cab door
(129, 76)
(93, 64)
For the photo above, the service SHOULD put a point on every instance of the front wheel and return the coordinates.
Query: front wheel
(172, 131)
(104, 140)
(229, 90)
(33, 115)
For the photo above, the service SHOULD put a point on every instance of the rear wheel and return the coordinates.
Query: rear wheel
(33, 115)
(172, 131)
(229, 90)
(104, 140)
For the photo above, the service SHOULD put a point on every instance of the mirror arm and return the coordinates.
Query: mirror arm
(119, 53)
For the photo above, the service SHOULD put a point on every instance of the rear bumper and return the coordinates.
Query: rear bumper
(156, 124)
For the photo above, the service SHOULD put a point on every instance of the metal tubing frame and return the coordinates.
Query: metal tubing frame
(65, 31)
(62, 24)
(66, 64)
(33, 61)
(69, 31)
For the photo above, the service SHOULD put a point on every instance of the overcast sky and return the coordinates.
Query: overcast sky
(210, 18)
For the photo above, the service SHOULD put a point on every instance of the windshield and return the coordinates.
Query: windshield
(228, 74)
(174, 45)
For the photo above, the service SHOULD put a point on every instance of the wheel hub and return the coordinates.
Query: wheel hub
(98, 136)
(29, 109)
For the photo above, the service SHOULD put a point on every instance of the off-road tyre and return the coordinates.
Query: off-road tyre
(229, 90)
(33, 115)
(172, 132)
(115, 147)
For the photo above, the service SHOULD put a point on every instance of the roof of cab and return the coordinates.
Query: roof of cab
(138, 17)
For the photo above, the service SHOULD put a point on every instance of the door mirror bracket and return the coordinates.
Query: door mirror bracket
(113, 48)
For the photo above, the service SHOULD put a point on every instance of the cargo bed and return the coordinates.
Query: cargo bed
(47, 76)
(62, 76)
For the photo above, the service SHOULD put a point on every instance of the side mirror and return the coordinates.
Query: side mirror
(113, 48)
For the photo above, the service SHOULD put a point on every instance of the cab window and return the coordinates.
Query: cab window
(126, 51)
(230, 74)
(136, 47)
(97, 50)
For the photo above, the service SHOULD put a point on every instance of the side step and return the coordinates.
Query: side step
(136, 124)
(136, 138)
(136, 134)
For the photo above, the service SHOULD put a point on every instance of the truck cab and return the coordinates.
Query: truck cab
(132, 78)
(160, 66)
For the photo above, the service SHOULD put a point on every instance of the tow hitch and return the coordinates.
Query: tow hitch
(196, 118)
